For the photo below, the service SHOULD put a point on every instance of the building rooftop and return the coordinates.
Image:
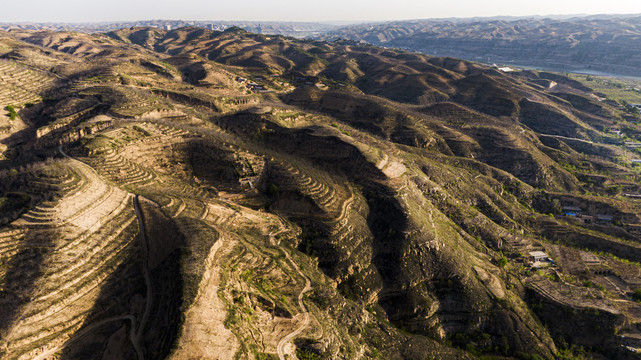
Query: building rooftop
(538, 254)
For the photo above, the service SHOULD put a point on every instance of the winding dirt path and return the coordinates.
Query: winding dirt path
(308, 286)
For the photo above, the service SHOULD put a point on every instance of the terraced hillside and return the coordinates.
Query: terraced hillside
(198, 194)
(22, 87)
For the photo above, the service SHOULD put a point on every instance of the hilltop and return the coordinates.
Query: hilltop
(223, 194)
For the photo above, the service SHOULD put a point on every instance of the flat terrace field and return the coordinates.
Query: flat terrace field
(615, 88)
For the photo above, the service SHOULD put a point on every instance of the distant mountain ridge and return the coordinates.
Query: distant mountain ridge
(603, 43)
(288, 28)
(609, 44)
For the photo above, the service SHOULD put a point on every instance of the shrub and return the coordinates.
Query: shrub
(266, 356)
(502, 261)
(305, 354)
(272, 189)
(13, 114)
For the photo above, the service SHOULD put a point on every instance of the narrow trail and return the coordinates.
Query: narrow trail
(135, 334)
(308, 286)
(567, 138)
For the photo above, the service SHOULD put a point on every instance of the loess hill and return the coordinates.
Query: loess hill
(196, 194)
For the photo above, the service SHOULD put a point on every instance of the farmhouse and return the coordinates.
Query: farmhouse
(572, 210)
(604, 219)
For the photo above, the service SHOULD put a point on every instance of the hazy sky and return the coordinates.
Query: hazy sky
(296, 10)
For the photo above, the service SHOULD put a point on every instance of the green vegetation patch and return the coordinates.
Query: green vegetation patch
(614, 88)
(13, 114)
(341, 130)
(307, 349)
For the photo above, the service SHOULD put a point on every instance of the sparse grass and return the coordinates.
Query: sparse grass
(141, 130)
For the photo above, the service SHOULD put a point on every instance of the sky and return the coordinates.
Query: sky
(296, 10)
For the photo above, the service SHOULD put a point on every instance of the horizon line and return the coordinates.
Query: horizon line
(329, 22)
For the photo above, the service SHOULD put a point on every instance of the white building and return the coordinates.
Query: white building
(539, 256)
